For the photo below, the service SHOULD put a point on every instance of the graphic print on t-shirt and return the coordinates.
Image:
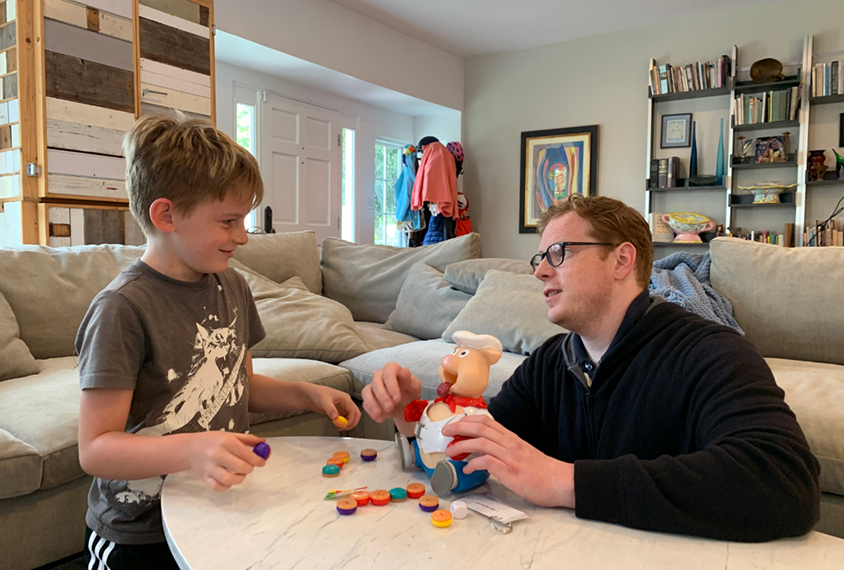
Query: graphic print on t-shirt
(214, 380)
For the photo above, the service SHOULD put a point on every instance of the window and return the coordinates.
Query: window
(348, 190)
(245, 126)
(387, 168)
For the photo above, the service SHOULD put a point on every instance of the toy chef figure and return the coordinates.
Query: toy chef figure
(465, 375)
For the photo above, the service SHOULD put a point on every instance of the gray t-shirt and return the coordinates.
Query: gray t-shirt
(181, 346)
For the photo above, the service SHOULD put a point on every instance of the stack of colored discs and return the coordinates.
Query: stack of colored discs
(335, 461)
(330, 471)
(360, 497)
(346, 506)
(429, 503)
(415, 490)
(398, 495)
(344, 455)
(368, 454)
(380, 497)
(441, 518)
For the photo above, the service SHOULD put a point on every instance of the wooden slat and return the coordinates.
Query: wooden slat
(10, 223)
(5, 136)
(77, 222)
(75, 136)
(173, 21)
(181, 8)
(10, 86)
(148, 65)
(166, 83)
(204, 16)
(16, 135)
(14, 114)
(11, 59)
(93, 19)
(132, 232)
(72, 112)
(8, 35)
(87, 45)
(10, 161)
(176, 99)
(67, 12)
(11, 10)
(10, 186)
(74, 163)
(4, 113)
(103, 226)
(89, 82)
(174, 47)
(3, 19)
(115, 26)
(91, 187)
(119, 7)
(3, 62)
(148, 109)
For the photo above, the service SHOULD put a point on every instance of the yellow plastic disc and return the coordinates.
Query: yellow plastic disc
(441, 518)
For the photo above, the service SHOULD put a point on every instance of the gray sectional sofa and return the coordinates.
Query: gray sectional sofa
(336, 314)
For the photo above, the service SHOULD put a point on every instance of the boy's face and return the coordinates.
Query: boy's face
(205, 239)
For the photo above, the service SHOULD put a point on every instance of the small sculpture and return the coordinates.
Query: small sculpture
(817, 165)
(465, 375)
(839, 165)
(766, 70)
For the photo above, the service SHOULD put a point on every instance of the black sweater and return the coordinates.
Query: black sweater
(683, 430)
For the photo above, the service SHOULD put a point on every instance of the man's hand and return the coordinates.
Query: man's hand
(391, 389)
(333, 403)
(223, 459)
(519, 466)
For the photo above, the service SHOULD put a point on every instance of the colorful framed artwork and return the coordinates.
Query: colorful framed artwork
(555, 164)
(676, 131)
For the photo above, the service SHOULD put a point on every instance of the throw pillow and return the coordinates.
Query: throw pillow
(426, 305)
(467, 275)
(15, 358)
(511, 308)
(281, 256)
(368, 278)
(300, 324)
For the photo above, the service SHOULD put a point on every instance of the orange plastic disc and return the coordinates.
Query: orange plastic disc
(415, 490)
(441, 518)
(344, 455)
(360, 497)
(346, 506)
(380, 497)
(335, 461)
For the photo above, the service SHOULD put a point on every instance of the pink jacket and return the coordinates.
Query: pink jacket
(436, 181)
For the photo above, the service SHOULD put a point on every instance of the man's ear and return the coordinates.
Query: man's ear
(625, 255)
(161, 215)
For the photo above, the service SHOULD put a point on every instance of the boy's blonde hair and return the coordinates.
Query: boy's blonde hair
(188, 161)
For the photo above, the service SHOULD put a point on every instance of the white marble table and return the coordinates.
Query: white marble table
(278, 519)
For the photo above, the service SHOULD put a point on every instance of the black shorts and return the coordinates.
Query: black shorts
(113, 556)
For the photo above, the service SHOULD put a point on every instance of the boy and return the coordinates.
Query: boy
(163, 350)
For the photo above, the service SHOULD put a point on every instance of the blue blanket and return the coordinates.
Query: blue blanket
(683, 278)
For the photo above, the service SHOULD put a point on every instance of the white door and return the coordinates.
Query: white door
(301, 166)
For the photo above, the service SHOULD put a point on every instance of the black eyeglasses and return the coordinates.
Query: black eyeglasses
(556, 252)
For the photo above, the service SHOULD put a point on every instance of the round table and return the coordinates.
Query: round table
(278, 518)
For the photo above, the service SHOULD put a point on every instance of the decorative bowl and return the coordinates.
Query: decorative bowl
(703, 180)
(687, 226)
(766, 196)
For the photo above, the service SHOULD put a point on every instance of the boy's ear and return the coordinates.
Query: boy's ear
(161, 215)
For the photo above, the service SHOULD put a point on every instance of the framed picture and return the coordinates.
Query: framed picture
(771, 149)
(555, 164)
(676, 131)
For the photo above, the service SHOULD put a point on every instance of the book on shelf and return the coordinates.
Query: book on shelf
(661, 232)
(666, 78)
(828, 79)
(664, 172)
(653, 180)
(821, 234)
(767, 107)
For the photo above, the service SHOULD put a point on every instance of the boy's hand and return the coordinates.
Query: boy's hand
(333, 403)
(223, 459)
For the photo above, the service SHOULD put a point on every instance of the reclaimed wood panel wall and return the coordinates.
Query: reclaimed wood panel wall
(10, 152)
(80, 225)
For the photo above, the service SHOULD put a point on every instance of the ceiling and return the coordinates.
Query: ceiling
(475, 27)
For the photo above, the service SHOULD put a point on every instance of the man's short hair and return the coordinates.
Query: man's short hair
(188, 161)
(610, 221)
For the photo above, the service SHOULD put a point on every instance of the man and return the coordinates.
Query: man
(645, 415)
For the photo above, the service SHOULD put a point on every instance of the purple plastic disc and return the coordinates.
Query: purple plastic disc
(262, 450)
(429, 509)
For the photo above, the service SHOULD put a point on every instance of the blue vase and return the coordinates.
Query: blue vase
(719, 164)
(693, 159)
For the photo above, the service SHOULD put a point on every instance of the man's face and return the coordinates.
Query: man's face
(578, 291)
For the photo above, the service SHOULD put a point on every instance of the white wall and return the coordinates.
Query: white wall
(603, 80)
(371, 122)
(445, 127)
(335, 37)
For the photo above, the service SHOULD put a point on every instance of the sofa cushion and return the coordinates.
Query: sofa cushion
(423, 359)
(43, 411)
(510, 307)
(426, 305)
(300, 324)
(15, 358)
(467, 275)
(367, 278)
(281, 256)
(20, 467)
(797, 314)
(376, 336)
(299, 370)
(815, 393)
(50, 289)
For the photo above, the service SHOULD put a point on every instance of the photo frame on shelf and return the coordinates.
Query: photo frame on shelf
(771, 149)
(676, 131)
(554, 164)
